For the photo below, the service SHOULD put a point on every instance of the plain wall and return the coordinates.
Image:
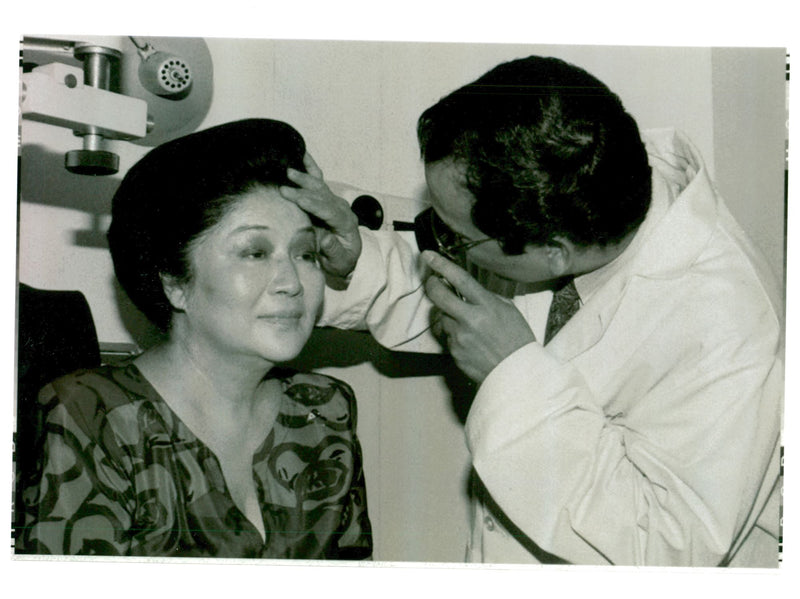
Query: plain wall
(356, 103)
(750, 163)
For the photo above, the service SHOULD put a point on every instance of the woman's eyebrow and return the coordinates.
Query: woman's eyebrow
(244, 228)
(309, 230)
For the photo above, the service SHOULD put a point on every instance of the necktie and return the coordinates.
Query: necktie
(566, 302)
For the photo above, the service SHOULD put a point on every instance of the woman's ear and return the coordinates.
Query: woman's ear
(560, 253)
(174, 290)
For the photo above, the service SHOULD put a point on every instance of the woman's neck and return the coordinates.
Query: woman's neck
(202, 386)
(227, 402)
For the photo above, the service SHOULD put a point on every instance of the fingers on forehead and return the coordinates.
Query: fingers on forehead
(311, 165)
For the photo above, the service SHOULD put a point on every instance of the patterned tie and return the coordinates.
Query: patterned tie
(566, 302)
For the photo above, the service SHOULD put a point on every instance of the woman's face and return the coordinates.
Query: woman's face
(256, 287)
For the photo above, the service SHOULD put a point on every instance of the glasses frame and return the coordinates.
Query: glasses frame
(452, 250)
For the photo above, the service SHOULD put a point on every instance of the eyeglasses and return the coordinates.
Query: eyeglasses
(432, 233)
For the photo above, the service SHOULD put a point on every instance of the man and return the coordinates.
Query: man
(627, 348)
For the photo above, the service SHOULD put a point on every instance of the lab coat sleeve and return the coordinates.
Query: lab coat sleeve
(385, 295)
(672, 481)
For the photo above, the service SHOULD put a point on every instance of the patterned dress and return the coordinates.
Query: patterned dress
(121, 474)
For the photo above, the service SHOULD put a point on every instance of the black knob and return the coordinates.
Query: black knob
(91, 162)
(369, 212)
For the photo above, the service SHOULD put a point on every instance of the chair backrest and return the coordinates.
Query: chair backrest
(56, 336)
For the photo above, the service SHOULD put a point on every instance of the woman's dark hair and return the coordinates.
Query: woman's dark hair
(182, 188)
(549, 151)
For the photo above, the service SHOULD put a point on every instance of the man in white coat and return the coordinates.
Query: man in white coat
(622, 332)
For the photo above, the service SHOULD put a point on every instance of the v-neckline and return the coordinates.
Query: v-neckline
(186, 435)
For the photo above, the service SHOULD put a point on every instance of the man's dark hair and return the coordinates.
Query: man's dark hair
(181, 189)
(549, 151)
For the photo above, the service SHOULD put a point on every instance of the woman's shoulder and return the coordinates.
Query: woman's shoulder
(110, 386)
(90, 396)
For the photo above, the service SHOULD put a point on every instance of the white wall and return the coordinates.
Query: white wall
(357, 104)
(368, 95)
(750, 119)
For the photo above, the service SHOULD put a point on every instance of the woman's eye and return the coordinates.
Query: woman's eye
(254, 254)
(309, 256)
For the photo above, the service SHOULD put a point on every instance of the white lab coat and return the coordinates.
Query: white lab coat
(647, 431)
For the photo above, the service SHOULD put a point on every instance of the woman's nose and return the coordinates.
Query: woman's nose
(285, 278)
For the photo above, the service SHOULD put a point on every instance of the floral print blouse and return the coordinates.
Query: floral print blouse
(121, 474)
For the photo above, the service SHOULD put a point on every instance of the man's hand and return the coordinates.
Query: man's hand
(339, 241)
(480, 330)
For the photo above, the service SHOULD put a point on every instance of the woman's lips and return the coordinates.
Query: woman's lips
(283, 318)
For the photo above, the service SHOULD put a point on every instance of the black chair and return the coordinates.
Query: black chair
(56, 336)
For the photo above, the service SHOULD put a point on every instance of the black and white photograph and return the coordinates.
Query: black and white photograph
(377, 304)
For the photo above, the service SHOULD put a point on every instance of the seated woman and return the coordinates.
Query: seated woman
(203, 445)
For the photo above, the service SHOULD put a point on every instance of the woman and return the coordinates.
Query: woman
(202, 446)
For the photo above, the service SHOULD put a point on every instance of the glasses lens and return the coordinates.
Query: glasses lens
(448, 241)
(443, 234)
(433, 234)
